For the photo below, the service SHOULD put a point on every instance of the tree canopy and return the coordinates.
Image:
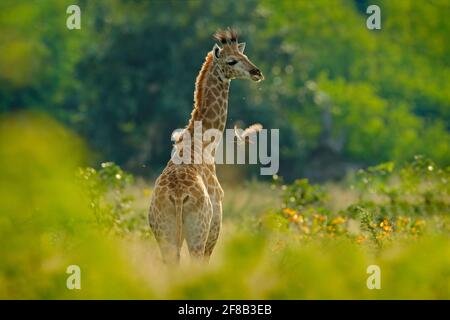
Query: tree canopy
(334, 88)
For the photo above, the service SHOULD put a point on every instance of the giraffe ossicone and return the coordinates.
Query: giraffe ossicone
(187, 198)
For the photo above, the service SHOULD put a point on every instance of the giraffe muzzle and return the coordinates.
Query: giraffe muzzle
(256, 75)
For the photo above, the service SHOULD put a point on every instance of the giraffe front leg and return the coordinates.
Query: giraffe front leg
(214, 231)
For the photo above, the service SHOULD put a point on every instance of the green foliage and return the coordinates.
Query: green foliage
(37, 58)
(109, 200)
(390, 203)
(317, 270)
(359, 92)
(125, 80)
(418, 188)
(49, 220)
(45, 222)
(301, 196)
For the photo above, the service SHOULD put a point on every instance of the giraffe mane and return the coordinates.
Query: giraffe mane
(199, 83)
(226, 36)
(199, 90)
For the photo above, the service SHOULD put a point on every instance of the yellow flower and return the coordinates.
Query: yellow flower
(338, 220)
(383, 223)
(419, 222)
(360, 239)
(147, 191)
(296, 218)
(401, 222)
(289, 212)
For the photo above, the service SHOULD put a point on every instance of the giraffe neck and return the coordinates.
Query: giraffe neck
(210, 97)
(210, 109)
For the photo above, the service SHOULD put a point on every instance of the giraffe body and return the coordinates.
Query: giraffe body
(187, 199)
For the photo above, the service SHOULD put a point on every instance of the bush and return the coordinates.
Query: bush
(110, 203)
(391, 203)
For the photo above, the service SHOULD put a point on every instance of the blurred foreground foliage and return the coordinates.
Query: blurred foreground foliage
(45, 225)
(54, 214)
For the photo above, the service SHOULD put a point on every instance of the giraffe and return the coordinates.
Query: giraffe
(186, 202)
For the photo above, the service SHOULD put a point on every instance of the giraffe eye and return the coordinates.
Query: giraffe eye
(232, 62)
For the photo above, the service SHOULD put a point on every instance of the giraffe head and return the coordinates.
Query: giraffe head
(231, 59)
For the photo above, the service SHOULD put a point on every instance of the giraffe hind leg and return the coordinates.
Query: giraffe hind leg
(170, 253)
(216, 223)
(196, 228)
(164, 230)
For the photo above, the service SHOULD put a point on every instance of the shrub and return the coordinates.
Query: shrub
(111, 205)
(391, 203)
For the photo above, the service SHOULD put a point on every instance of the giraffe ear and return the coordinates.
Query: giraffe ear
(216, 51)
(241, 47)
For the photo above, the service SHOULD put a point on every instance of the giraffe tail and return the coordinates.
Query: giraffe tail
(178, 202)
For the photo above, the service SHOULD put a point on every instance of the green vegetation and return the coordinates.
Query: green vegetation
(85, 123)
(390, 204)
(125, 80)
(105, 191)
(296, 245)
